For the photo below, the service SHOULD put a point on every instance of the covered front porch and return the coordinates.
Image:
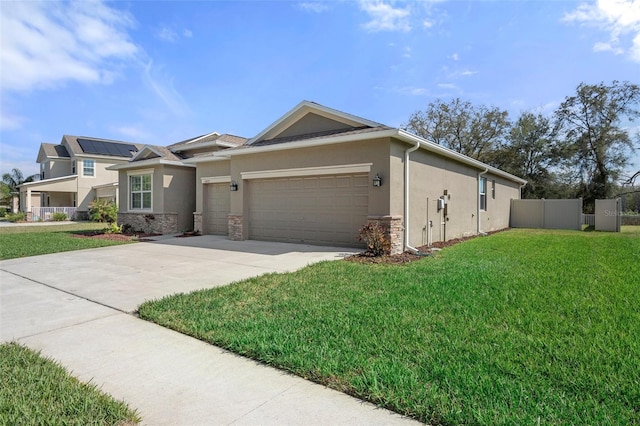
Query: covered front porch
(57, 195)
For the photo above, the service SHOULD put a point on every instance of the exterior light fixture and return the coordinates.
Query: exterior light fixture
(233, 186)
(377, 180)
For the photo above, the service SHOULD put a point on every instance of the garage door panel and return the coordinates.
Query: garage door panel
(325, 210)
(217, 207)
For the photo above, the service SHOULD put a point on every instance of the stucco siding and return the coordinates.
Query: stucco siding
(430, 175)
(178, 188)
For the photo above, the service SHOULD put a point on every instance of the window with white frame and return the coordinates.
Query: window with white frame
(88, 168)
(140, 192)
(483, 193)
(73, 167)
(41, 171)
(493, 189)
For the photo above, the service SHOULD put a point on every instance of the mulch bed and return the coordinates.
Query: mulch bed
(406, 257)
(101, 235)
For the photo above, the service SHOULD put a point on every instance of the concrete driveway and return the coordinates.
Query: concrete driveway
(75, 307)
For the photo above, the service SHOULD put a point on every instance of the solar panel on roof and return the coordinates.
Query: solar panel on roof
(113, 149)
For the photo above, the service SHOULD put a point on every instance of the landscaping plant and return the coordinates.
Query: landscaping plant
(103, 211)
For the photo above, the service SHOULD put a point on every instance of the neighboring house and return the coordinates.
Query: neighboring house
(157, 187)
(73, 174)
(317, 175)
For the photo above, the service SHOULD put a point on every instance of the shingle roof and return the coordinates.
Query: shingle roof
(52, 150)
(314, 136)
(165, 152)
(76, 149)
(209, 137)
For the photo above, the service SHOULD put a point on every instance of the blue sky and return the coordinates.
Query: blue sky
(161, 71)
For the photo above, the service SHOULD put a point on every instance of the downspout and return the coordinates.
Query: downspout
(520, 190)
(407, 246)
(485, 197)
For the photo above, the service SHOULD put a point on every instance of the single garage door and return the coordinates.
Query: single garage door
(324, 210)
(217, 201)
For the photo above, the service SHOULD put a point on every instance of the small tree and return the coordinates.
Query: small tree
(103, 211)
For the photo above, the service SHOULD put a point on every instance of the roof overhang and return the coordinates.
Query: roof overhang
(61, 184)
(149, 162)
(397, 134)
(106, 185)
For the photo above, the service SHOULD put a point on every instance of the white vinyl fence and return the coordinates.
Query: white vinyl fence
(547, 214)
(46, 213)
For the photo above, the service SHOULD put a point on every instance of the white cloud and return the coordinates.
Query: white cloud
(448, 86)
(427, 23)
(171, 35)
(47, 44)
(9, 121)
(315, 7)
(385, 17)
(162, 86)
(468, 73)
(454, 57)
(620, 18)
(409, 90)
(167, 34)
(133, 133)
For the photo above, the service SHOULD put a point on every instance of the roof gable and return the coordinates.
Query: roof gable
(49, 150)
(310, 117)
(146, 153)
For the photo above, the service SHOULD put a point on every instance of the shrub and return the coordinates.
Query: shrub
(103, 211)
(17, 217)
(113, 228)
(59, 217)
(374, 237)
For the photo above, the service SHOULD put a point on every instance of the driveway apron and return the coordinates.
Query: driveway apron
(76, 308)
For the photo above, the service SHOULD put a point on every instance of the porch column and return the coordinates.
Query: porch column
(28, 201)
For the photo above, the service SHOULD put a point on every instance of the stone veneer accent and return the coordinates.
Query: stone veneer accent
(235, 227)
(393, 229)
(197, 222)
(150, 223)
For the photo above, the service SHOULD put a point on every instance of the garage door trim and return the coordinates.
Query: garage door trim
(309, 171)
(216, 179)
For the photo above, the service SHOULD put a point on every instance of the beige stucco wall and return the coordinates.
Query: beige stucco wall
(179, 194)
(101, 176)
(173, 191)
(58, 199)
(57, 168)
(430, 176)
(374, 151)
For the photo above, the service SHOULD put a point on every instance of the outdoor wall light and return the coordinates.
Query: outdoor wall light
(233, 186)
(377, 180)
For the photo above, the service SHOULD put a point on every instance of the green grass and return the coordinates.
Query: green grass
(36, 390)
(521, 327)
(23, 241)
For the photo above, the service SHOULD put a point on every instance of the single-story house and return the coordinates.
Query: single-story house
(317, 175)
(157, 186)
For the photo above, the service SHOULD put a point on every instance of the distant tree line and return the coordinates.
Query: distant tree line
(580, 150)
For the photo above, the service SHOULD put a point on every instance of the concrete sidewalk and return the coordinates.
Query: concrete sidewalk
(170, 378)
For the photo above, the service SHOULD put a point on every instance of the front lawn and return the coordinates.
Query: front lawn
(36, 390)
(521, 327)
(23, 241)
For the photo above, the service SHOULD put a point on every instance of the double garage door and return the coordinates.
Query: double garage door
(322, 210)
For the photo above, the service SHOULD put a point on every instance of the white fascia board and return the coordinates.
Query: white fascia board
(106, 185)
(199, 145)
(150, 162)
(309, 143)
(446, 152)
(198, 160)
(143, 150)
(216, 179)
(309, 171)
